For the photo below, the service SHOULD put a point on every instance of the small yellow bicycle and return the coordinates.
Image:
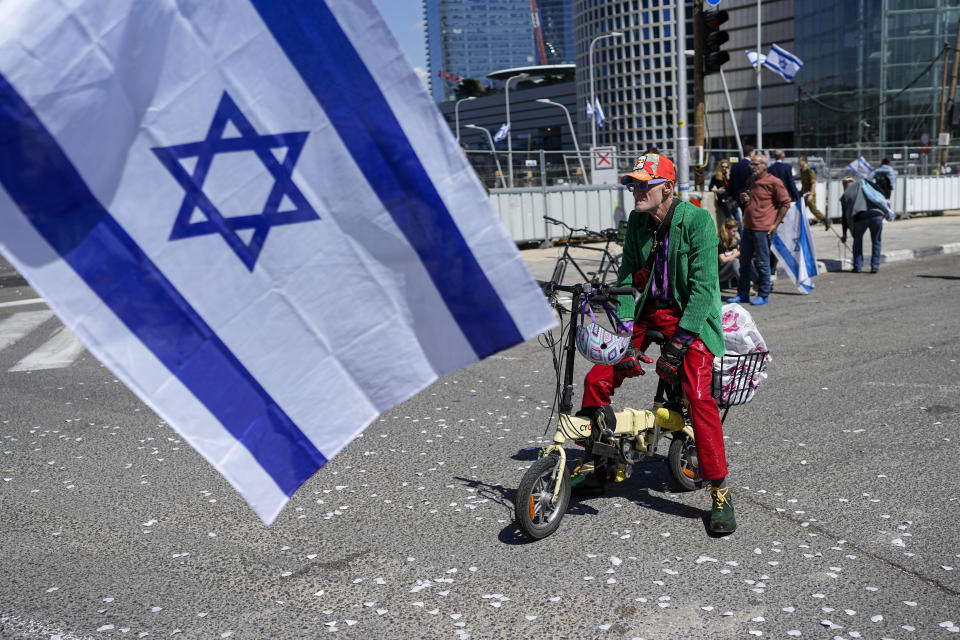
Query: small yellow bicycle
(544, 492)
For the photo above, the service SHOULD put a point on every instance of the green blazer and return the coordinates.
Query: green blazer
(692, 269)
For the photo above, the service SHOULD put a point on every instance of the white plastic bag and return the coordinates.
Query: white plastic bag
(735, 379)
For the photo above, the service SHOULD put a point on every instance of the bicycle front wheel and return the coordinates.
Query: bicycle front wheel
(537, 513)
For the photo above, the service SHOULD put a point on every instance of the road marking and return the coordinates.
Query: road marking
(56, 353)
(20, 324)
(17, 303)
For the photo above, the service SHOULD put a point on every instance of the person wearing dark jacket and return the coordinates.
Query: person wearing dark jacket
(862, 209)
(784, 171)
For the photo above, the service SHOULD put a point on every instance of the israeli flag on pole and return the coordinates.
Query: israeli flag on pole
(597, 110)
(502, 133)
(752, 57)
(589, 110)
(254, 215)
(782, 62)
(793, 245)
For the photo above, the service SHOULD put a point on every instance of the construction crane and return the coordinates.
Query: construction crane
(537, 31)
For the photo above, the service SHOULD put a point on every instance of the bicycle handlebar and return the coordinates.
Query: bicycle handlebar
(572, 229)
(594, 291)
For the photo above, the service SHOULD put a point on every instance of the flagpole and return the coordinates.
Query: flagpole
(759, 99)
(683, 141)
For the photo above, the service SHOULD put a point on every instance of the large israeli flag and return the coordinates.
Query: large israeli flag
(782, 62)
(253, 213)
(793, 245)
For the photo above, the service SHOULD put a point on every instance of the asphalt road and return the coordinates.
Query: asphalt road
(844, 470)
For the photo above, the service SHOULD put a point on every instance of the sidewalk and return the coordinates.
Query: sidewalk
(901, 240)
(911, 239)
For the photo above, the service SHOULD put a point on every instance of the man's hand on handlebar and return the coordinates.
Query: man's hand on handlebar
(629, 366)
(671, 357)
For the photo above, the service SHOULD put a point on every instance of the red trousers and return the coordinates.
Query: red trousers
(602, 380)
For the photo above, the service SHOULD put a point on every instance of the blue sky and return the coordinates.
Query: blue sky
(405, 19)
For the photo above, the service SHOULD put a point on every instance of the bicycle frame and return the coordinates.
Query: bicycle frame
(606, 257)
(644, 425)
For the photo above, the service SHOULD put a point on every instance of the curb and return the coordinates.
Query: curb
(900, 255)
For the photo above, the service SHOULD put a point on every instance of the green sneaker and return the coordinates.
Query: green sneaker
(722, 519)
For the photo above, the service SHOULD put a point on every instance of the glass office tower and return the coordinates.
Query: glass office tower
(471, 39)
(867, 75)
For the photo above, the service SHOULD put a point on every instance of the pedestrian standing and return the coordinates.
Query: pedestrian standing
(861, 212)
(720, 186)
(739, 174)
(808, 190)
(765, 202)
(784, 171)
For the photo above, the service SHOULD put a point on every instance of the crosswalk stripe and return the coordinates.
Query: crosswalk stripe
(20, 324)
(57, 352)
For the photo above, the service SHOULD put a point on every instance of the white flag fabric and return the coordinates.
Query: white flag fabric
(752, 57)
(589, 110)
(502, 133)
(861, 167)
(793, 245)
(597, 110)
(254, 215)
(782, 62)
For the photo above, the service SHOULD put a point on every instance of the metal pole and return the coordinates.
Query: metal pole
(759, 98)
(493, 150)
(683, 142)
(510, 133)
(733, 118)
(593, 98)
(456, 113)
(576, 145)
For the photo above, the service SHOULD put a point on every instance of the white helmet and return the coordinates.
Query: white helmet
(598, 345)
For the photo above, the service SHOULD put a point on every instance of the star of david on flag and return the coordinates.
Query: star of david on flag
(239, 208)
(249, 141)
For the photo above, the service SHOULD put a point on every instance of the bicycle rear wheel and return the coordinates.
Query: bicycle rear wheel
(534, 508)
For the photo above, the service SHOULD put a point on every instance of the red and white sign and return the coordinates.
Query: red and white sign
(604, 165)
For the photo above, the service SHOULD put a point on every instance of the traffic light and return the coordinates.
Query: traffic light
(713, 39)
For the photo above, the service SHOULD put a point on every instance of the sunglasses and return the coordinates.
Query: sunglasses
(637, 185)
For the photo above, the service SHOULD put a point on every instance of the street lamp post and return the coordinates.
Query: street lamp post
(519, 76)
(456, 113)
(573, 133)
(593, 99)
(492, 149)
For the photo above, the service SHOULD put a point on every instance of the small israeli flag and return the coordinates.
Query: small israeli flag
(793, 245)
(752, 57)
(254, 215)
(861, 167)
(599, 112)
(502, 133)
(782, 62)
(589, 110)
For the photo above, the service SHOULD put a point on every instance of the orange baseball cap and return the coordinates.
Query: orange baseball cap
(651, 166)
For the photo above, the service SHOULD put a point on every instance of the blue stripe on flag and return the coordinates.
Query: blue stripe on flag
(324, 57)
(54, 198)
(805, 242)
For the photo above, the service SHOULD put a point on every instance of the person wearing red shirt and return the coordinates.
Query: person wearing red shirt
(765, 202)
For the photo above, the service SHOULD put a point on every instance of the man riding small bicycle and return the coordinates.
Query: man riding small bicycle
(670, 255)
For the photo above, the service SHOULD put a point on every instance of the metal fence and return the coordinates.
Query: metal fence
(539, 168)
